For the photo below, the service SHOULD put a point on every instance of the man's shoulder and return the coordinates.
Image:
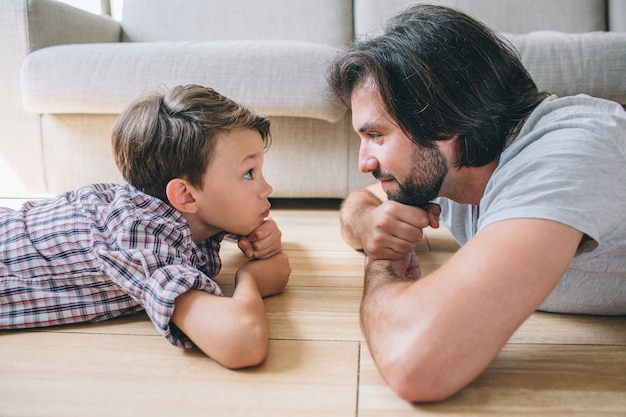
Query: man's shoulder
(583, 127)
(578, 111)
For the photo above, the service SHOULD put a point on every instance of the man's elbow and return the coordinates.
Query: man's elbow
(419, 381)
(421, 389)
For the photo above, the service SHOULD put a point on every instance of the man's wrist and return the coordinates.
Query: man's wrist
(352, 216)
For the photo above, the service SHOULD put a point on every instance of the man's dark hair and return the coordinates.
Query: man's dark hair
(441, 73)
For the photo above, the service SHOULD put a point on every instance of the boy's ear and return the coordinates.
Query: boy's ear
(180, 194)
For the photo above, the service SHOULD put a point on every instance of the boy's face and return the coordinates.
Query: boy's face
(234, 193)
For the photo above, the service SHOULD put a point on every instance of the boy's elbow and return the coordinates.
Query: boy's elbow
(247, 359)
(250, 347)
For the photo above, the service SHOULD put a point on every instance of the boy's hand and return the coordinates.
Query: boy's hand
(270, 274)
(263, 242)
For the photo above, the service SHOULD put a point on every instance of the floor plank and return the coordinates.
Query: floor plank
(572, 329)
(554, 380)
(318, 363)
(68, 374)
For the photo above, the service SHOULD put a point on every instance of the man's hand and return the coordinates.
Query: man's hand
(263, 242)
(392, 230)
(408, 266)
(379, 272)
(384, 229)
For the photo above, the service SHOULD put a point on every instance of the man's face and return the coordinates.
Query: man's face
(408, 173)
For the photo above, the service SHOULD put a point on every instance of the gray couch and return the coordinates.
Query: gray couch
(66, 74)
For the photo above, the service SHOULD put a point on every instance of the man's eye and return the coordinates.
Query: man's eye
(248, 175)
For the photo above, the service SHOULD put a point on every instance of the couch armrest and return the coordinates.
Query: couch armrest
(54, 23)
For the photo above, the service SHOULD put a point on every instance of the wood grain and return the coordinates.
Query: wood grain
(318, 362)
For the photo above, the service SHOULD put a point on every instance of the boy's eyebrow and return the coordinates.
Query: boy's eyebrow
(254, 155)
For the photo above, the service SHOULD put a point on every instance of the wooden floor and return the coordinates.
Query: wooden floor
(318, 363)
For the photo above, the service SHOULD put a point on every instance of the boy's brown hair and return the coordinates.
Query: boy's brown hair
(171, 134)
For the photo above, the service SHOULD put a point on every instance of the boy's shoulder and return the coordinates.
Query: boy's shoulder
(108, 193)
(123, 199)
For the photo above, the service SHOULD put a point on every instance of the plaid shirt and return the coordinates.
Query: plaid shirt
(100, 252)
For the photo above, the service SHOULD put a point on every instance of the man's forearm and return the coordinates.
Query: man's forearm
(352, 213)
(379, 273)
(381, 285)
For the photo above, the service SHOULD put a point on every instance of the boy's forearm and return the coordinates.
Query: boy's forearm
(270, 275)
(239, 338)
(352, 213)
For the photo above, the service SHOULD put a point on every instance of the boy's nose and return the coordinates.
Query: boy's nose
(268, 189)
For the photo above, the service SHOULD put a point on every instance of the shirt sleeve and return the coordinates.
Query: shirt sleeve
(162, 289)
(571, 179)
(154, 263)
(155, 286)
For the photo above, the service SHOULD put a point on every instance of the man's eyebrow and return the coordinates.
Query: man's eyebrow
(369, 126)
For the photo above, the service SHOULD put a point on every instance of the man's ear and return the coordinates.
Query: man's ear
(450, 148)
(180, 194)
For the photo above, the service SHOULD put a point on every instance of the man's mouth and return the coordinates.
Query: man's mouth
(385, 180)
(383, 177)
(387, 185)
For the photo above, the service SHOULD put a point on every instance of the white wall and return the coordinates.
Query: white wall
(94, 6)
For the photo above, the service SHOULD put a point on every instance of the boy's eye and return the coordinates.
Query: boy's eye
(248, 175)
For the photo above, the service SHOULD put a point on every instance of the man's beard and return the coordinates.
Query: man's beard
(428, 169)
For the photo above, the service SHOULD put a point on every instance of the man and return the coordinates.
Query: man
(532, 186)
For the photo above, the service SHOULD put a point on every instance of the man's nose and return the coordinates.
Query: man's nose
(367, 161)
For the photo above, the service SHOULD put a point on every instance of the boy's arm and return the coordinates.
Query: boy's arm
(233, 331)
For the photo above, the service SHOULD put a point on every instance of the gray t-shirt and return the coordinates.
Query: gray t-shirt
(567, 164)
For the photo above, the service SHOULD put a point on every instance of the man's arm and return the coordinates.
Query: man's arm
(352, 213)
(383, 229)
(432, 336)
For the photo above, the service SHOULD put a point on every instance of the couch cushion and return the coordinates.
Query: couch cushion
(568, 63)
(511, 16)
(323, 21)
(276, 78)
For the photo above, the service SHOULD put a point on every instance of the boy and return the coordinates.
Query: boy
(192, 159)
